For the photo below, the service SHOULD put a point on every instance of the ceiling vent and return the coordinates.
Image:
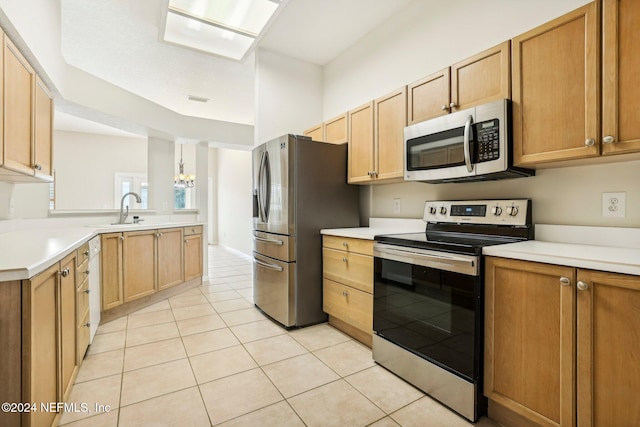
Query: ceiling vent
(197, 98)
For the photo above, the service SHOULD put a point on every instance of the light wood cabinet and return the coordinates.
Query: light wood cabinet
(111, 270)
(43, 131)
(556, 104)
(192, 253)
(482, 78)
(620, 77)
(561, 345)
(170, 257)
(49, 338)
(19, 86)
(82, 303)
(376, 139)
(138, 264)
(335, 130)
(315, 133)
(348, 285)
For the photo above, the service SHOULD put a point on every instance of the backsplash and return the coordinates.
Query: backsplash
(567, 195)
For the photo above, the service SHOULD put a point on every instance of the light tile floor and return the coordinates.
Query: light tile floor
(209, 357)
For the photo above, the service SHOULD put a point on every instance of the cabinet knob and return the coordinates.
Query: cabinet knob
(565, 281)
(582, 286)
(122, 238)
(345, 293)
(38, 166)
(609, 139)
(87, 272)
(87, 291)
(65, 272)
(589, 142)
(345, 259)
(453, 105)
(444, 107)
(85, 253)
(87, 324)
(345, 244)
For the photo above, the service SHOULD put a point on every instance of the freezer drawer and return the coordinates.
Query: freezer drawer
(274, 287)
(275, 245)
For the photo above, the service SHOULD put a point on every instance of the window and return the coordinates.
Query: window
(131, 182)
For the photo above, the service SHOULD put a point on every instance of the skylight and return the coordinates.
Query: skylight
(223, 27)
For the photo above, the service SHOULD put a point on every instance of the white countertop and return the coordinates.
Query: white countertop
(609, 249)
(25, 253)
(379, 226)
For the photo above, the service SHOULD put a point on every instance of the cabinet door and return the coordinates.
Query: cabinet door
(335, 130)
(608, 349)
(556, 89)
(530, 339)
(138, 264)
(19, 84)
(314, 133)
(43, 131)
(192, 256)
(361, 156)
(429, 97)
(483, 78)
(40, 345)
(111, 270)
(170, 258)
(67, 324)
(620, 78)
(390, 121)
(348, 304)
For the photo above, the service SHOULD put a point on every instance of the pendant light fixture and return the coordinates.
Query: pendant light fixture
(182, 180)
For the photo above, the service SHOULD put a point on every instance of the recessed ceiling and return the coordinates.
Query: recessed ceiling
(120, 41)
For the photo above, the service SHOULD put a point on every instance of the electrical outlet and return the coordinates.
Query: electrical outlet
(397, 206)
(614, 204)
(12, 206)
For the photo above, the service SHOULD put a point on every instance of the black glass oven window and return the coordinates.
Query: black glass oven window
(433, 313)
(438, 150)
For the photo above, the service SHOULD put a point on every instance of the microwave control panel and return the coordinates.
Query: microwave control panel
(488, 140)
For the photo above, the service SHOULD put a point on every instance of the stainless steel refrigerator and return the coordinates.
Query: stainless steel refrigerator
(300, 187)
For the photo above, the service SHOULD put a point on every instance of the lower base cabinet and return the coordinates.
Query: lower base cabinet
(192, 252)
(347, 269)
(562, 344)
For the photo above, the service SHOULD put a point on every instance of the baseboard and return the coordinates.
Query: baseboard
(237, 252)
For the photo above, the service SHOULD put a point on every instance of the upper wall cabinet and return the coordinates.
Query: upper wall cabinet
(333, 131)
(621, 78)
(376, 138)
(27, 110)
(555, 89)
(482, 78)
(315, 133)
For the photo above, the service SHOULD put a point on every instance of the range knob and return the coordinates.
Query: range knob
(512, 210)
(432, 210)
(443, 210)
(496, 210)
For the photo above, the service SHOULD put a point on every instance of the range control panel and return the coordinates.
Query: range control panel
(496, 212)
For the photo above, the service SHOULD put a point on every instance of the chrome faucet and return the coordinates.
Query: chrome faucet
(124, 214)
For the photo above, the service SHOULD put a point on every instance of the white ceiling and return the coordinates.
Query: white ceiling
(120, 41)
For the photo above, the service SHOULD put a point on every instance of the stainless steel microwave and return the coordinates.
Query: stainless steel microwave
(468, 145)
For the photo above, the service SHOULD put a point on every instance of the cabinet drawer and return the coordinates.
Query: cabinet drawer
(348, 304)
(82, 300)
(83, 254)
(82, 334)
(193, 229)
(348, 244)
(350, 269)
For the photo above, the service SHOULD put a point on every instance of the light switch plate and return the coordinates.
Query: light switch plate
(614, 205)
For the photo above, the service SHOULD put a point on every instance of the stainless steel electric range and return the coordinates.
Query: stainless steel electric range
(428, 299)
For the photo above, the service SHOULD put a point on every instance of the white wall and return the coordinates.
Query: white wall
(288, 96)
(85, 165)
(235, 210)
(428, 36)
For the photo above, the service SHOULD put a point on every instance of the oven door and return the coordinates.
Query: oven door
(430, 303)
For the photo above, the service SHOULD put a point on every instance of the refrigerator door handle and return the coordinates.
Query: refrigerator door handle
(259, 190)
(267, 174)
(269, 266)
(273, 241)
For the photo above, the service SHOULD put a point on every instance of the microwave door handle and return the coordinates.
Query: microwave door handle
(467, 151)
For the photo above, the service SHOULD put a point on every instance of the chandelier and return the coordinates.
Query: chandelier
(182, 180)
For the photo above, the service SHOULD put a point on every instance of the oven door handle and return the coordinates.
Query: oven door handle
(453, 263)
(467, 142)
